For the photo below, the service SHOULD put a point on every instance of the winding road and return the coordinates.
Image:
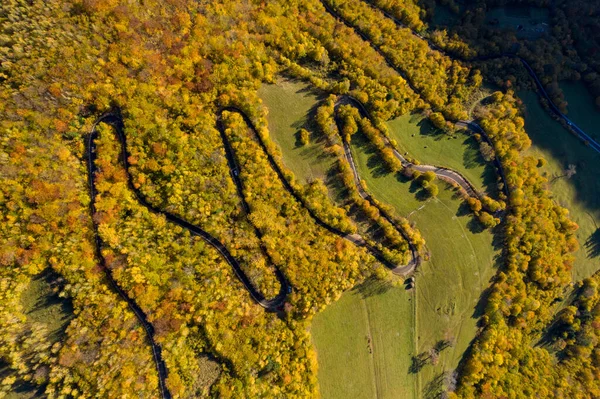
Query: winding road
(583, 136)
(446, 174)
(275, 304)
(354, 238)
(442, 173)
(115, 121)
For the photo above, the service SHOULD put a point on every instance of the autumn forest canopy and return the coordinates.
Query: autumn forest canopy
(161, 236)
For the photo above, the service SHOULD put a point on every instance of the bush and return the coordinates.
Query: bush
(304, 136)
(432, 190)
(428, 176)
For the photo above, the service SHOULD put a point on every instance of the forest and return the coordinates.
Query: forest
(183, 77)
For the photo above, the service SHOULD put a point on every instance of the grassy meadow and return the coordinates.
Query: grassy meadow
(364, 343)
(290, 106)
(463, 260)
(417, 137)
(580, 193)
(366, 340)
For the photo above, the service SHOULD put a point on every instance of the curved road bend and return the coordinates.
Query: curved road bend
(583, 136)
(276, 303)
(354, 238)
(349, 100)
(273, 304)
(443, 173)
(161, 368)
(234, 170)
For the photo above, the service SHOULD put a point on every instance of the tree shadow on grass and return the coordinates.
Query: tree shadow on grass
(434, 388)
(491, 178)
(426, 129)
(472, 156)
(377, 167)
(309, 123)
(422, 195)
(414, 186)
(375, 164)
(475, 226)
(463, 209)
(592, 244)
(372, 287)
(479, 309)
(334, 182)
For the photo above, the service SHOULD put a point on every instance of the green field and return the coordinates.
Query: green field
(290, 104)
(350, 366)
(428, 145)
(462, 262)
(580, 193)
(448, 287)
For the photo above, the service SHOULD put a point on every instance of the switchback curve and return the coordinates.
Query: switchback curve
(583, 136)
(445, 174)
(115, 120)
(161, 368)
(354, 238)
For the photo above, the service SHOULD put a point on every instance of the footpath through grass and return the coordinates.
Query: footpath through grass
(291, 105)
(364, 342)
(579, 193)
(416, 136)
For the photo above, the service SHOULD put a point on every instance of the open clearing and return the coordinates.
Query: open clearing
(579, 193)
(448, 289)
(41, 304)
(352, 367)
(449, 286)
(463, 259)
(429, 145)
(290, 104)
